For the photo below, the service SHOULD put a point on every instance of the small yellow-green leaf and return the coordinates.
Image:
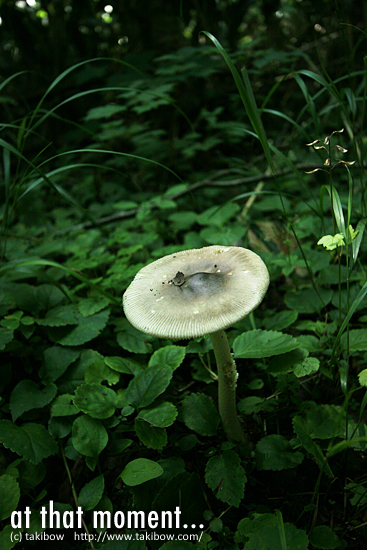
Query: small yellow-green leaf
(362, 377)
(330, 242)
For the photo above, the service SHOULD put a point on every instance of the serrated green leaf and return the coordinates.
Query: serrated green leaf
(27, 395)
(56, 360)
(324, 537)
(362, 377)
(31, 441)
(124, 365)
(91, 493)
(169, 356)
(86, 329)
(90, 306)
(286, 362)
(150, 436)
(309, 366)
(89, 436)
(226, 477)
(160, 416)
(147, 385)
(60, 316)
(134, 342)
(95, 400)
(263, 533)
(139, 471)
(9, 495)
(263, 343)
(274, 452)
(199, 414)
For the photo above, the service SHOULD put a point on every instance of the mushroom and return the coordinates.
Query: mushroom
(197, 292)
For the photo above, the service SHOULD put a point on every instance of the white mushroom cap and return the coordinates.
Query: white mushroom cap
(196, 292)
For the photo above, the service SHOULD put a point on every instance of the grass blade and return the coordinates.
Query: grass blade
(248, 99)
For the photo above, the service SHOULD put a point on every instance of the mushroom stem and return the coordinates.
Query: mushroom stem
(227, 381)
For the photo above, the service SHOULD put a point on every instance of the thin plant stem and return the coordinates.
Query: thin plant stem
(227, 381)
(75, 496)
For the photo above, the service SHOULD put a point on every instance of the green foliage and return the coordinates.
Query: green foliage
(226, 477)
(139, 471)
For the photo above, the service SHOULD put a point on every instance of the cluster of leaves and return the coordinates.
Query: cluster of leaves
(97, 415)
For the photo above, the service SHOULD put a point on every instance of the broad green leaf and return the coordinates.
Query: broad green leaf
(31, 441)
(90, 306)
(218, 215)
(139, 471)
(64, 405)
(359, 492)
(59, 427)
(281, 320)
(309, 366)
(104, 111)
(160, 416)
(9, 495)
(357, 340)
(27, 395)
(199, 414)
(9, 537)
(150, 436)
(226, 477)
(97, 372)
(147, 385)
(134, 342)
(169, 356)
(324, 537)
(124, 365)
(311, 447)
(95, 400)
(89, 436)
(252, 404)
(60, 316)
(263, 533)
(86, 329)
(224, 236)
(6, 336)
(263, 343)
(91, 493)
(325, 422)
(274, 452)
(286, 362)
(308, 300)
(56, 360)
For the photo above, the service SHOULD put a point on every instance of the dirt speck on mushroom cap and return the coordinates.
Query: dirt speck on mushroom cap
(196, 292)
